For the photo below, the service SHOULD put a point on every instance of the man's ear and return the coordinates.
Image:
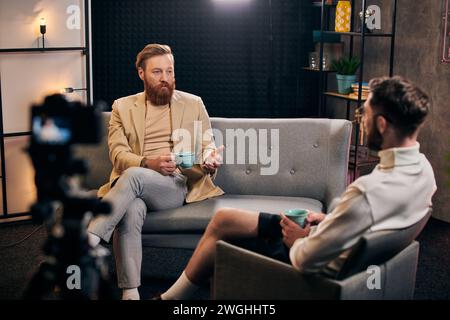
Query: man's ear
(381, 124)
(141, 73)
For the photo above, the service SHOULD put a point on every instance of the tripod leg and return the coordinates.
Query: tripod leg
(42, 283)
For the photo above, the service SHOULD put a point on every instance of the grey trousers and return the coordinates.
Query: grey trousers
(137, 191)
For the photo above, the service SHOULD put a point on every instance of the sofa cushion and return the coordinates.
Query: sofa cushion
(194, 217)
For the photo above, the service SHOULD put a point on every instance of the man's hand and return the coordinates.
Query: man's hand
(164, 164)
(292, 231)
(213, 161)
(314, 218)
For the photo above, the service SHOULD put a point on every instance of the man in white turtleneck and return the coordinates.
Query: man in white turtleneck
(397, 194)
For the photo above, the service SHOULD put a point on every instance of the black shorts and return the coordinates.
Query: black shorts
(270, 239)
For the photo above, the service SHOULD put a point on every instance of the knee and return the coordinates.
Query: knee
(132, 173)
(133, 177)
(220, 222)
(134, 216)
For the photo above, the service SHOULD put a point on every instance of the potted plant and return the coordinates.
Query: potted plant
(346, 73)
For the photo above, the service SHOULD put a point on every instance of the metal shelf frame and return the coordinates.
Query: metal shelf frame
(323, 75)
(7, 216)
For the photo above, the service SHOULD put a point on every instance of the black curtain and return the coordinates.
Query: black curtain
(244, 60)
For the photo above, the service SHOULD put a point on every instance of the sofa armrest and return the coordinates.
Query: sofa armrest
(242, 274)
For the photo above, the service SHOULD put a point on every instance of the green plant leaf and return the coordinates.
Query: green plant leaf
(346, 65)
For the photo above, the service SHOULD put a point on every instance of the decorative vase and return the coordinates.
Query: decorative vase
(344, 83)
(343, 16)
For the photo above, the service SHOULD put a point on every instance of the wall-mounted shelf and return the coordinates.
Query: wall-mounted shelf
(317, 70)
(15, 134)
(343, 96)
(319, 4)
(360, 34)
(18, 50)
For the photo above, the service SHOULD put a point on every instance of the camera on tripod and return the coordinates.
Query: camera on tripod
(56, 126)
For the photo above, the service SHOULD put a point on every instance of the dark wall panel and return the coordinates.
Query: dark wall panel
(222, 53)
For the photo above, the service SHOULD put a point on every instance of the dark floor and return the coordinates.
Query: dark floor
(17, 263)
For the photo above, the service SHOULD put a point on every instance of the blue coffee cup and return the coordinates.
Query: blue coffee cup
(185, 159)
(297, 215)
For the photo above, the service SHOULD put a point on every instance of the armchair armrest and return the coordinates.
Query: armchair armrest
(242, 274)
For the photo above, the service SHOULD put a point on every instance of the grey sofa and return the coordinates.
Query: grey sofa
(313, 159)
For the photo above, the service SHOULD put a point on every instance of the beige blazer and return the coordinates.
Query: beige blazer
(126, 139)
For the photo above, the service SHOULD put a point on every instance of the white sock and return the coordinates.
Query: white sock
(93, 239)
(130, 294)
(182, 289)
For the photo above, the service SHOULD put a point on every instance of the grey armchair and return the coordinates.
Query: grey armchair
(242, 274)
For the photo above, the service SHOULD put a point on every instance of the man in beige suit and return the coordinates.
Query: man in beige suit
(145, 131)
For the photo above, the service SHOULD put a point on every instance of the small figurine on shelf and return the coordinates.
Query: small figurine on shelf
(343, 16)
(372, 19)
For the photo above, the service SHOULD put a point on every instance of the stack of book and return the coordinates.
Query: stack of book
(364, 90)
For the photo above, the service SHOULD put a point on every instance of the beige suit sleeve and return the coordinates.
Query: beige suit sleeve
(339, 231)
(208, 144)
(120, 152)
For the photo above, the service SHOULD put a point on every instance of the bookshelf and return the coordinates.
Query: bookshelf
(360, 157)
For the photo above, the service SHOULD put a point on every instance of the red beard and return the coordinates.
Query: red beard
(161, 94)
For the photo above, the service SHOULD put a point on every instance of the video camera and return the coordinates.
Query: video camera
(56, 126)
